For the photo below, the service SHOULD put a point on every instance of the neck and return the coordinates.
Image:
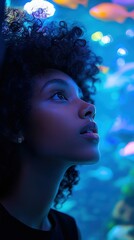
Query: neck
(32, 199)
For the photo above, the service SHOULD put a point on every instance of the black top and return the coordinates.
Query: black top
(63, 228)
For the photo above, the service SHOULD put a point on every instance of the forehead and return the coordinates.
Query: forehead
(53, 74)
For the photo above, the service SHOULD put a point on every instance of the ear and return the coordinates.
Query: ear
(20, 139)
(17, 138)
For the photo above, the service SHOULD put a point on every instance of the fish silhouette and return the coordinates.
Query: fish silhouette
(111, 12)
(71, 3)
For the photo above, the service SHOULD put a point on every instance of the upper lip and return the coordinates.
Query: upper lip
(91, 126)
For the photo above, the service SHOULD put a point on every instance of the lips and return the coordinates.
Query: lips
(91, 127)
(90, 133)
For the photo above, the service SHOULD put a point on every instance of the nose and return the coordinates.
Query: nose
(87, 110)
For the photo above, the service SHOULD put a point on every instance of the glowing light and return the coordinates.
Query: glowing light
(119, 78)
(120, 231)
(121, 51)
(120, 62)
(40, 8)
(104, 69)
(130, 87)
(97, 36)
(128, 149)
(8, 3)
(106, 39)
(102, 173)
(130, 33)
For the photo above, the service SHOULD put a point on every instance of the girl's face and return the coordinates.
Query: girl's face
(57, 118)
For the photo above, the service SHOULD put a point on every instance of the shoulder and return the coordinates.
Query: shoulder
(60, 216)
(67, 222)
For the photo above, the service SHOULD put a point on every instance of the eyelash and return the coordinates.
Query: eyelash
(59, 93)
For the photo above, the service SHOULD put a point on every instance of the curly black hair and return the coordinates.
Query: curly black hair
(32, 46)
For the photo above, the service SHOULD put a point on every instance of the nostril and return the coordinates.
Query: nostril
(87, 110)
(90, 114)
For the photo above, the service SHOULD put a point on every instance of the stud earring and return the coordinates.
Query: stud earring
(20, 139)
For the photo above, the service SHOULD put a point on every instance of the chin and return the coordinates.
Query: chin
(87, 159)
(91, 156)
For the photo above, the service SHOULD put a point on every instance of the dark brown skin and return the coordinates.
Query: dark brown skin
(59, 121)
(56, 118)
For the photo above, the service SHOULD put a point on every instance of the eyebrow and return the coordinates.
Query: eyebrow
(58, 81)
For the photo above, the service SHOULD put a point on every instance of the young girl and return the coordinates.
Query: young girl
(46, 125)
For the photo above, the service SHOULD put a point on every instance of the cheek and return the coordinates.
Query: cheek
(50, 127)
(54, 132)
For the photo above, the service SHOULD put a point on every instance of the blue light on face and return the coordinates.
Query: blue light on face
(40, 8)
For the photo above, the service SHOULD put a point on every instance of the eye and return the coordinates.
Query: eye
(59, 96)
